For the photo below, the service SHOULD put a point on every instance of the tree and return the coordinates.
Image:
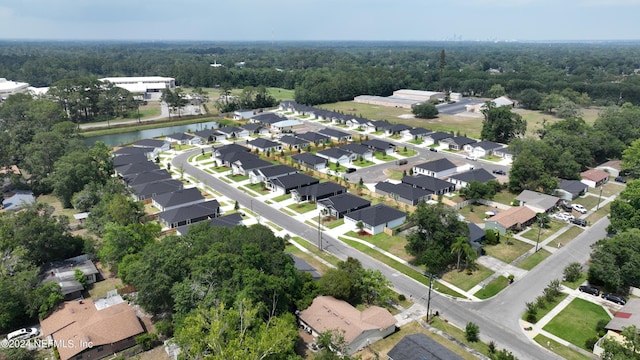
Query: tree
(627, 350)
(573, 272)
(500, 124)
(360, 226)
(122, 240)
(472, 332)
(631, 159)
(497, 90)
(441, 66)
(625, 210)
(425, 111)
(114, 207)
(459, 247)
(615, 262)
(528, 173)
(530, 99)
(478, 190)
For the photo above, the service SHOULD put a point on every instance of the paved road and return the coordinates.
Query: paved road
(497, 318)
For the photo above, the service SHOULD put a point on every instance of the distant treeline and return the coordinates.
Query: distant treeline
(328, 72)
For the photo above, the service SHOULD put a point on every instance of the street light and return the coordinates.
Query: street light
(319, 232)
(429, 296)
(539, 230)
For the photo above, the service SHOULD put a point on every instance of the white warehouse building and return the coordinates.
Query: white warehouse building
(8, 87)
(150, 86)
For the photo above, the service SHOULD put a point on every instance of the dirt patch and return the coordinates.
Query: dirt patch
(154, 354)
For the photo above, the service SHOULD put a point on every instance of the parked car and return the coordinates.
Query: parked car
(566, 206)
(621, 180)
(433, 149)
(579, 208)
(499, 172)
(564, 217)
(403, 162)
(25, 333)
(350, 170)
(614, 298)
(472, 157)
(589, 290)
(578, 221)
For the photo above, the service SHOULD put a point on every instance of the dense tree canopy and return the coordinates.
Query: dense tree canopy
(615, 262)
(355, 284)
(425, 111)
(625, 210)
(500, 124)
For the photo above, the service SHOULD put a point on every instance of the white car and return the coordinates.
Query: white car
(564, 217)
(579, 208)
(472, 157)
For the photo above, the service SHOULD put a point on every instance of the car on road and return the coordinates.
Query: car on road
(579, 208)
(499, 172)
(614, 298)
(350, 170)
(403, 162)
(621, 180)
(589, 290)
(578, 221)
(433, 149)
(24, 333)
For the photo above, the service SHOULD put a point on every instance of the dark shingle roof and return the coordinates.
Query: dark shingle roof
(376, 215)
(253, 127)
(333, 133)
(460, 140)
(345, 202)
(309, 158)
(147, 177)
(419, 131)
(479, 174)
(267, 118)
(230, 130)
(488, 145)
(427, 182)
(418, 347)
(180, 136)
(313, 137)
(292, 140)
(131, 150)
(178, 197)
(378, 144)
(207, 208)
(227, 221)
(230, 148)
(399, 127)
(294, 181)
(150, 143)
(334, 153)
(137, 168)
(355, 148)
(438, 165)
(404, 191)
(574, 187)
(206, 133)
(251, 163)
(476, 233)
(437, 136)
(158, 187)
(263, 143)
(129, 159)
(321, 189)
(276, 170)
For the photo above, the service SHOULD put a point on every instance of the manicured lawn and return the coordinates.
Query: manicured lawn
(603, 212)
(249, 191)
(333, 223)
(507, 253)
(587, 201)
(564, 238)
(475, 213)
(180, 147)
(393, 244)
(282, 197)
(278, 228)
(577, 322)
(544, 311)
(363, 163)
(556, 347)
(204, 156)
(504, 197)
(578, 282)
(238, 178)
(288, 212)
(259, 188)
(407, 153)
(384, 157)
(220, 169)
(465, 281)
(554, 226)
(416, 141)
(459, 334)
(394, 174)
(495, 286)
(608, 189)
(534, 259)
(302, 208)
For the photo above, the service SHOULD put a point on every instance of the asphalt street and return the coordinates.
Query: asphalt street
(497, 317)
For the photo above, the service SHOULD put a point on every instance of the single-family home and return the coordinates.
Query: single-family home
(264, 145)
(313, 193)
(210, 136)
(310, 161)
(146, 177)
(335, 155)
(242, 114)
(91, 329)
(256, 129)
(437, 168)
(420, 347)
(265, 174)
(136, 168)
(403, 193)
(476, 237)
(232, 132)
(457, 142)
(286, 126)
(515, 218)
(361, 151)
(246, 164)
(380, 146)
(147, 191)
(463, 179)
(63, 273)
(397, 129)
(482, 148)
(415, 133)
(176, 199)
(293, 143)
(381, 125)
(180, 138)
(19, 200)
(189, 214)
(626, 317)
(129, 159)
(227, 221)
(223, 155)
(434, 138)
(358, 123)
(335, 135)
(376, 218)
(313, 137)
(429, 183)
(538, 202)
(267, 118)
(358, 328)
(594, 177)
(613, 167)
(339, 205)
(284, 184)
(131, 150)
(504, 153)
(158, 146)
(570, 189)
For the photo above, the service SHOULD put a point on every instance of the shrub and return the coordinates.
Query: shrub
(541, 302)
(164, 328)
(401, 297)
(147, 341)
(572, 272)
(590, 342)
(472, 332)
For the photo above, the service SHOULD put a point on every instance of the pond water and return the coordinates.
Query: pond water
(132, 136)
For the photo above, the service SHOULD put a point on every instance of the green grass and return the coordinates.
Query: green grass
(531, 261)
(602, 212)
(278, 228)
(608, 190)
(302, 208)
(259, 188)
(394, 174)
(238, 178)
(492, 288)
(459, 334)
(384, 157)
(574, 284)
(554, 226)
(333, 223)
(507, 253)
(577, 322)
(220, 169)
(504, 197)
(179, 147)
(363, 163)
(393, 244)
(407, 153)
(311, 260)
(564, 238)
(477, 215)
(123, 128)
(556, 347)
(249, 191)
(281, 94)
(464, 281)
(202, 157)
(418, 141)
(288, 212)
(282, 197)
(548, 307)
(313, 248)
(589, 202)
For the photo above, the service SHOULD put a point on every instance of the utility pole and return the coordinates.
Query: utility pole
(319, 232)
(539, 230)
(429, 297)
(599, 197)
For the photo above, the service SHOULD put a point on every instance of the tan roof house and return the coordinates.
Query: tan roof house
(85, 330)
(594, 177)
(512, 219)
(613, 167)
(629, 315)
(360, 328)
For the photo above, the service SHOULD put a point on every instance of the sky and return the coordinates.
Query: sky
(313, 20)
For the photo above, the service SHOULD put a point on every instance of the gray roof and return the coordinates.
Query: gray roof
(131, 150)
(147, 177)
(203, 209)
(159, 187)
(420, 347)
(574, 187)
(251, 163)
(345, 202)
(488, 145)
(322, 189)
(627, 316)
(227, 221)
(459, 140)
(378, 144)
(399, 127)
(252, 127)
(309, 158)
(419, 131)
(334, 153)
(276, 170)
(231, 130)
(292, 140)
(427, 182)
(355, 148)
(438, 135)
(537, 199)
(18, 200)
(150, 143)
(438, 165)
(180, 136)
(381, 124)
(231, 157)
(404, 191)
(206, 133)
(476, 233)
(137, 168)
(267, 118)
(479, 174)
(294, 181)
(129, 159)
(178, 197)
(263, 143)
(230, 148)
(63, 272)
(313, 137)
(303, 266)
(334, 133)
(376, 215)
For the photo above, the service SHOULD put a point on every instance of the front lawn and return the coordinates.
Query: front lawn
(363, 163)
(220, 169)
(384, 157)
(259, 188)
(608, 190)
(547, 307)
(531, 261)
(238, 177)
(495, 286)
(577, 322)
(332, 223)
(564, 238)
(302, 208)
(394, 174)
(603, 212)
(407, 153)
(464, 280)
(393, 244)
(282, 197)
(554, 226)
(507, 253)
(556, 347)
(459, 334)
(589, 202)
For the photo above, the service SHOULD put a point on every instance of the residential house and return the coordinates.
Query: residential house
(149, 190)
(504, 153)
(434, 138)
(176, 199)
(403, 193)
(265, 174)
(264, 145)
(594, 177)
(457, 142)
(227, 221)
(189, 214)
(538, 202)
(626, 317)
(313, 137)
(130, 150)
(286, 126)
(63, 273)
(361, 151)
(463, 179)
(313, 193)
(335, 135)
(244, 165)
(376, 218)
(613, 167)
(284, 184)
(267, 118)
(339, 205)
(293, 143)
(92, 330)
(476, 237)
(227, 154)
(420, 347)
(180, 138)
(19, 200)
(310, 161)
(429, 183)
(242, 114)
(339, 156)
(359, 123)
(136, 168)
(381, 125)
(397, 129)
(515, 218)
(129, 159)
(232, 132)
(256, 129)
(497, 102)
(380, 146)
(358, 328)
(482, 148)
(570, 189)
(416, 133)
(437, 168)
(209, 136)
(146, 177)
(158, 146)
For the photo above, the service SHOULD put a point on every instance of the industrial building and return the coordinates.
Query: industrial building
(150, 87)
